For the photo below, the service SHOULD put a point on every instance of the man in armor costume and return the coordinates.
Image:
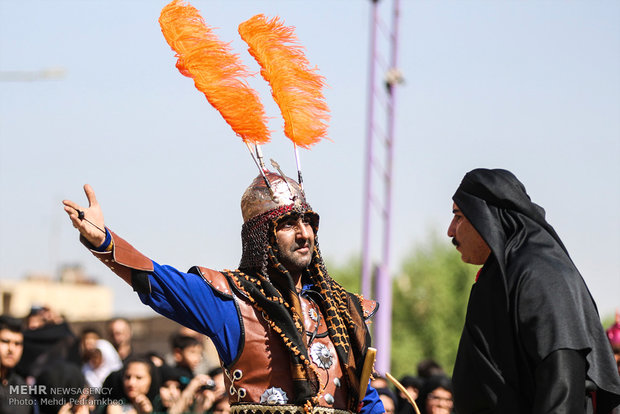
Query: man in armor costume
(290, 339)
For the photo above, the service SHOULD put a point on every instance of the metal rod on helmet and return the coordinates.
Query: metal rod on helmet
(261, 170)
(298, 163)
(259, 154)
(277, 167)
(402, 389)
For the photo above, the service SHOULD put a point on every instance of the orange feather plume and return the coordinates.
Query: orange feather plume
(294, 87)
(216, 71)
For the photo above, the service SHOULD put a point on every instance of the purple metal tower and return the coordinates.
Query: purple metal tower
(379, 159)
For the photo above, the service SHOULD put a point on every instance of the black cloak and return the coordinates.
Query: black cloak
(529, 301)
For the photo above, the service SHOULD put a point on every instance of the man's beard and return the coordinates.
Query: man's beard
(292, 262)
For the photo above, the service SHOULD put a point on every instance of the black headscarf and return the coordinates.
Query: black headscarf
(431, 384)
(537, 305)
(60, 375)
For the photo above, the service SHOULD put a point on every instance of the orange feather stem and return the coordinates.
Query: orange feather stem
(294, 87)
(217, 72)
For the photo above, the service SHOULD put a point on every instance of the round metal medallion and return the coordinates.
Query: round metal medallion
(321, 355)
(274, 396)
(313, 315)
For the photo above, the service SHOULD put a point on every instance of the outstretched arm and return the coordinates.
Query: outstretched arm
(88, 221)
(187, 298)
(121, 257)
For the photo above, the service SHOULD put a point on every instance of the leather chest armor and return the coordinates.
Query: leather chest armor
(260, 378)
(262, 374)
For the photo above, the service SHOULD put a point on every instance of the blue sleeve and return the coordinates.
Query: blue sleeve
(186, 298)
(372, 402)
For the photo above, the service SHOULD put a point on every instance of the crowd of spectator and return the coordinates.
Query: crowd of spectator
(46, 368)
(431, 389)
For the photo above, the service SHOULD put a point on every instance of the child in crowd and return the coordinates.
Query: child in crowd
(187, 353)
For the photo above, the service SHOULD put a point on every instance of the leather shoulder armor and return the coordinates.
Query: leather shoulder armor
(215, 279)
(369, 307)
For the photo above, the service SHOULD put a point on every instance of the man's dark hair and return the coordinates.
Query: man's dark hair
(89, 330)
(153, 354)
(429, 368)
(63, 375)
(388, 393)
(10, 323)
(411, 381)
(178, 341)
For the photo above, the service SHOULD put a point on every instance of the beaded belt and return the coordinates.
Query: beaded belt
(281, 409)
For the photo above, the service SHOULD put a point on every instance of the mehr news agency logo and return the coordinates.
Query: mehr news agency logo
(92, 396)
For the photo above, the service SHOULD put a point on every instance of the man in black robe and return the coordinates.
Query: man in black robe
(532, 341)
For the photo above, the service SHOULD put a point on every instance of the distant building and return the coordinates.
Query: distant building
(73, 295)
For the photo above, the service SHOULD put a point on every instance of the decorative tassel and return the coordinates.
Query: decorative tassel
(217, 72)
(294, 87)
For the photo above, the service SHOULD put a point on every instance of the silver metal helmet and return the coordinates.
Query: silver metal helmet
(262, 207)
(259, 199)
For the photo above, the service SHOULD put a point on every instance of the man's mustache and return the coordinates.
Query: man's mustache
(298, 246)
(455, 242)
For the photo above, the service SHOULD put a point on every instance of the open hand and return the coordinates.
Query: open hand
(89, 221)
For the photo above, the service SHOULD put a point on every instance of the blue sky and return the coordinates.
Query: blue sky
(533, 87)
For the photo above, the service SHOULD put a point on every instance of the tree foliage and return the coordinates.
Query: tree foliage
(348, 274)
(429, 301)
